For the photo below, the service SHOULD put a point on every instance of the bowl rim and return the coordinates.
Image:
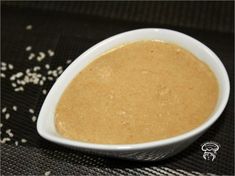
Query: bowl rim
(140, 146)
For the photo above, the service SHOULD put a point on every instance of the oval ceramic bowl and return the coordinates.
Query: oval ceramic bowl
(150, 151)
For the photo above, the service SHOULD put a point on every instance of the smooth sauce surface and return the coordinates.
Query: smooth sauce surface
(139, 92)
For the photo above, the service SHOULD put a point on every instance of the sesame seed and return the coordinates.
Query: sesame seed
(31, 56)
(34, 118)
(8, 130)
(44, 91)
(16, 89)
(39, 59)
(47, 66)
(3, 75)
(1, 125)
(23, 140)
(60, 71)
(35, 81)
(10, 66)
(51, 53)
(3, 68)
(28, 48)
(18, 81)
(23, 82)
(50, 78)
(36, 68)
(7, 139)
(41, 56)
(4, 140)
(14, 108)
(27, 70)
(41, 83)
(12, 78)
(7, 116)
(47, 173)
(29, 27)
(3, 64)
(21, 88)
(13, 84)
(31, 111)
(10, 134)
(68, 61)
(44, 78)
(60, 68)
(54, 73)
(4, 110)
(19, 74)
(16, 143)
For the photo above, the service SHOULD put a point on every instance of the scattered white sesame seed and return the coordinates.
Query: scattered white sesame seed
(35, 81)
(7, 116)
(60, 68)
(3, 75)
(8, 130)
(3, 68)
(44, 78)
(12, 78)
(44, 91)
(10, 134)
(31, 56)
(29, 27)
(36, 68)
(23, 140)
(7, 139)
(47, 173)
(28, 48)
(47, 66)
(60, 71)
(16, 143)
(54, 73)
(49, 72)
(1, 125)
(50, 78)
(16, 89)
(4, 140)
(13, 84)
(51, 53)
(19, 74)
(68, 61)
(27, 70)
(4, 109)
(10, 66)
(14, 108)
(3, 63)
(31, 111)
(41, 83)
(34, 118)
(23, 82)
(41, 56)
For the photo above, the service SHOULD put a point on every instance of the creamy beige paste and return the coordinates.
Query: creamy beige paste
(139, 92)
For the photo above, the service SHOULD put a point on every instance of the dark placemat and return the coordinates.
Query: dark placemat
(68, 35)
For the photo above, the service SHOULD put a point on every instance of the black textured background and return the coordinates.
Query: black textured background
(69, 28)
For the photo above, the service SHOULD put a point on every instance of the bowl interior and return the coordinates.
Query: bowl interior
(45, 124)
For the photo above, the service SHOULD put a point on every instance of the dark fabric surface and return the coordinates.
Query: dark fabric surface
(70, 34)
(216, 16)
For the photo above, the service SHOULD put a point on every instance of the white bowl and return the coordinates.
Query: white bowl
(156, 150)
